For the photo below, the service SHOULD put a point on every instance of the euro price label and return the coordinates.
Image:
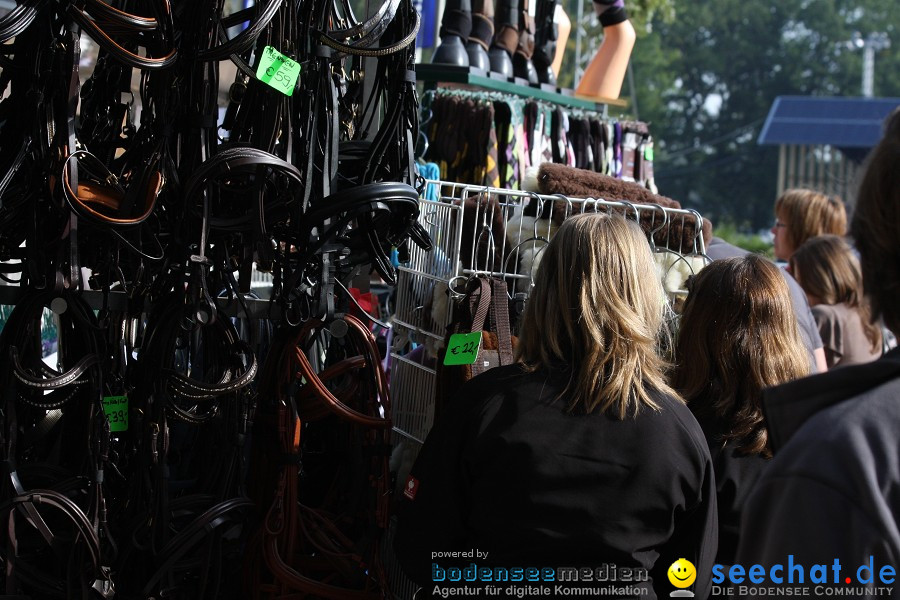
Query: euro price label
(463, 348)
(116, 409)
(278, 71)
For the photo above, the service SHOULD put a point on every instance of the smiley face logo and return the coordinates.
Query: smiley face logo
(682, 573)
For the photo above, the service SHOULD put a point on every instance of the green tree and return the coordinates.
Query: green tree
(707, 78)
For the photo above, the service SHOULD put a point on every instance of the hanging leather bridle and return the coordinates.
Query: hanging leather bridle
(324, 539)
(55, 441)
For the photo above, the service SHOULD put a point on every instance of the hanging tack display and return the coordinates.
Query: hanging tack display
(157, 158)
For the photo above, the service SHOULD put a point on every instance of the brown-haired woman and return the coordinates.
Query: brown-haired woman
(738, 335)
(833, 488)
(801, 214)
(579, 455)
(829, 272)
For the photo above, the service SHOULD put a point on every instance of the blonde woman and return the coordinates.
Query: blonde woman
(738, 335)
(801, 214)
(829, 272)
(579, 455)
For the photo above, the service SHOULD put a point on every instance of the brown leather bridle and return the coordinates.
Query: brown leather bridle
(101, 198)
(310, 549)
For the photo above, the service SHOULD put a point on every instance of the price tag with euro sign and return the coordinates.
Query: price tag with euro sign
(116, 409)
(278, 71)
(463, 348)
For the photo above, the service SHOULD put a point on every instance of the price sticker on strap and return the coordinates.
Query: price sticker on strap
(116, 409)
(277, 70)
(463, 348)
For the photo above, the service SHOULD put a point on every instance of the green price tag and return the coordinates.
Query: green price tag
(463, 348)
(277, 70)
(648, 153)
(116, 409)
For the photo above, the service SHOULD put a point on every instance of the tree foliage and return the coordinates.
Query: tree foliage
(706, 79)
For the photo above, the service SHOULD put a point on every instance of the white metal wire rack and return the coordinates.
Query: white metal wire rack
(487, 231)
(480, 230)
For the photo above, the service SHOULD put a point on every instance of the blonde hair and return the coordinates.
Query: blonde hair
(738, 335)
(597, 310)
(809, 213)
(876, 225)
(825, 267)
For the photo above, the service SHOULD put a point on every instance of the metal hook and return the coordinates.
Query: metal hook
(538, 216)
(514, 252)
(490, 256)
(569, 206)
(637, 214)
(698, 232)
(485, 228)
(590, 200)
(665, 221)
(454, 295)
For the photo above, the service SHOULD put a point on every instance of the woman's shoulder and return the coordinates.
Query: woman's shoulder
(507, 382)
(498, 378)
(674, 420)
(831, 312)
(681, 422)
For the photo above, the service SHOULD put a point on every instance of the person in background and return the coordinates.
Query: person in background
(809, 331)
(829, 272)
(801, 214)
(738, 335)
(580, 454)
(832, 492)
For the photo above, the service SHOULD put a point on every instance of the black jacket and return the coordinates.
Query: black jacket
(510, 472)
(736, 475)
(833, 489)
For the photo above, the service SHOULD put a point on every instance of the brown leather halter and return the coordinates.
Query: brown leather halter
(312, 545)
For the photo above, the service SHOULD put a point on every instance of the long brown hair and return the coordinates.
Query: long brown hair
(738, 335)
(810, 213)
(597, 310)
(825, 267)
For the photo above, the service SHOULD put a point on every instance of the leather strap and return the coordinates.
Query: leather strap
(331, 401)
(19, 19)
(105, 41)
(247, 38)
(106, 201)
(479, 304)
(500, 320)
(55, 381)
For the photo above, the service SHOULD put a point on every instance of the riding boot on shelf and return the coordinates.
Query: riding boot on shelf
(456, 25)
(522, 65)
(481, 35)
(546, 35)
(506, 37)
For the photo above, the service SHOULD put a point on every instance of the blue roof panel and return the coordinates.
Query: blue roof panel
(813, 120)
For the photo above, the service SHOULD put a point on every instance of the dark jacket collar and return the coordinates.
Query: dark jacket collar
(787, 407)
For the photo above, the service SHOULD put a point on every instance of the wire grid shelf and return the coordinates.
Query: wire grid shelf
(401, 587)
